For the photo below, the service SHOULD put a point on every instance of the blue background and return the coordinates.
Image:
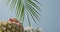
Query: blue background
(50, 19)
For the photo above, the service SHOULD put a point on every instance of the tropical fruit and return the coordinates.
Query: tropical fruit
(12, 25)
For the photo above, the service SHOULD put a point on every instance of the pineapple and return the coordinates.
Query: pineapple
(11, 26)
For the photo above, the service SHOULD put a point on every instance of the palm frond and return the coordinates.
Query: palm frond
(22, 6)
(33, 4)
(32, 13)
(36, 1)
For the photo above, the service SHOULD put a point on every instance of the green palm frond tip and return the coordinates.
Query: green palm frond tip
(22, 6)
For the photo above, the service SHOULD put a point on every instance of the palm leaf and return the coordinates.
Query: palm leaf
(22, 6)
(32, 13)
(36, 1)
